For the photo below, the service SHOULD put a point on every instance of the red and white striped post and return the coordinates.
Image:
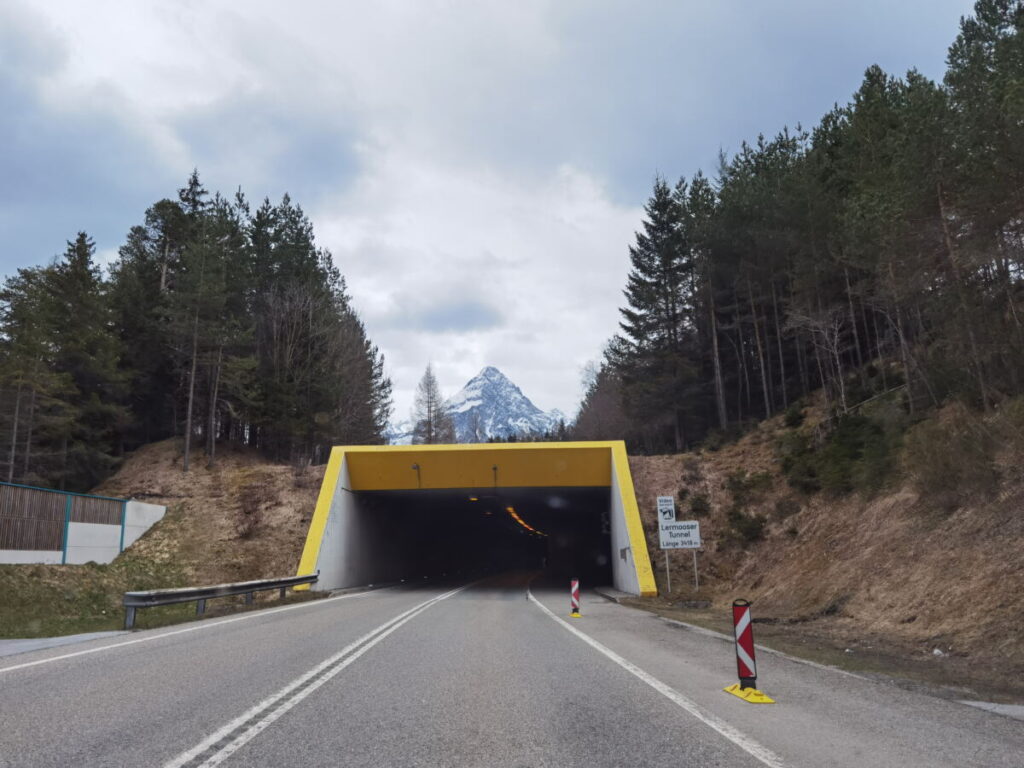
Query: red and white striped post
(574, 596)
(744, 634)
(746, 688)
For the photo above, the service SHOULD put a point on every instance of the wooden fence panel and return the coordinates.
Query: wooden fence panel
(33, 518)
(88, 509)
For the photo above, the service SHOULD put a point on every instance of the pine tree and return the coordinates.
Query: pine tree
(433, 423)
(652, 356)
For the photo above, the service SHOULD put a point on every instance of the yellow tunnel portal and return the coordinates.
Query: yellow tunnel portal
(386, 513)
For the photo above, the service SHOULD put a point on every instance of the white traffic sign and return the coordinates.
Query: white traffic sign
(681, 534)
(666, 509)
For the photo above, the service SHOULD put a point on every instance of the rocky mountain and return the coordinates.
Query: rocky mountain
(489, 406)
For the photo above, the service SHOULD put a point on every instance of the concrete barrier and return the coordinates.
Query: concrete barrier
(113, 525)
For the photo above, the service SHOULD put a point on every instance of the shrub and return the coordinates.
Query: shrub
(700, 506)
(786, 507)
(952, 459)
(746, 488)
(857, 454)
(746, 528)
(794, 416)
(252, 497)
(682, 494)
(691, 470)
(715, 440)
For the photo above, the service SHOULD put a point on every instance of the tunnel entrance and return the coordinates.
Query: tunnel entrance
(564, 531)
(387, 513)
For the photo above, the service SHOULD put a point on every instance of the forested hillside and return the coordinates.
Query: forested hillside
(217, 323)
(879, 252)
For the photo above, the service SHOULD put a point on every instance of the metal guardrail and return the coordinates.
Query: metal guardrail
(199, 595)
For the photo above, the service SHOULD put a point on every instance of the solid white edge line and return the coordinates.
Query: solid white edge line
(748, 745)
(193, 628)
(367, 641)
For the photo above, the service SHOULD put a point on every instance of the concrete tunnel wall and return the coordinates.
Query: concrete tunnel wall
(350, 546)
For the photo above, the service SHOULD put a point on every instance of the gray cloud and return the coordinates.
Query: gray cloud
(261, 143)
(493, 155)
(454, 316)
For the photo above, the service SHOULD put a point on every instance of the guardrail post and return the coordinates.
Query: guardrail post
(248, 598)
(283, 590)
(129, 618)
(200, 607)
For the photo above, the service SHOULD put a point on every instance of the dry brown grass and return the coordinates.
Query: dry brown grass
(893, 568)
(244, 519)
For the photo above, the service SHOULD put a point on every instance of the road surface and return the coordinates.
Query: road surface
(456, 675)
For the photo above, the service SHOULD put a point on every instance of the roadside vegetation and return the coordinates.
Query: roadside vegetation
(219, 322)
(245, 518)
(874, 261)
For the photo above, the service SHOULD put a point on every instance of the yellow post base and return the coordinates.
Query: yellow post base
(575, 615)
(751, 695)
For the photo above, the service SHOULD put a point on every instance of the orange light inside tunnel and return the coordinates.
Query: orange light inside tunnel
(515, 516)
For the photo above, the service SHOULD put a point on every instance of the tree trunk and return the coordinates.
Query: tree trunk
(28, 433)
(840, 378)
(723, 419)
(878, 351)
(191, 389)
(760, 353)
(958, 279)
(853, 324)
(778, 338)
(163, 266)
(743, 358)
(14, 436)
(824, 381)
(211, 435)
(801, 362)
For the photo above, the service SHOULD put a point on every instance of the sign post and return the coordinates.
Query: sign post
(666, 515)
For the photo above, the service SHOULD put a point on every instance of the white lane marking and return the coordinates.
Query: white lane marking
(744, 742)
(325, 671)
(195, 628)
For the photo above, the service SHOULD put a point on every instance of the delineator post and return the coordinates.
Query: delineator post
(746, 665)
(574, 598)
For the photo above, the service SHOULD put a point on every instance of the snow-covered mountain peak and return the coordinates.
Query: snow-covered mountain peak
(490, 405)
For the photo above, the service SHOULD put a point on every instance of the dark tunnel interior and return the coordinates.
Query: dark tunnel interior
(564, 531)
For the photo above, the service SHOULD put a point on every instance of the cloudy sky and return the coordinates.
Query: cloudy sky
(477, 168)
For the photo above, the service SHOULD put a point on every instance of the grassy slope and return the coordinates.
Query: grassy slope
(889, 574)
(197, 542)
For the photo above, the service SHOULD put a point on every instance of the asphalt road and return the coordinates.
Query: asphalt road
(484, 675)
